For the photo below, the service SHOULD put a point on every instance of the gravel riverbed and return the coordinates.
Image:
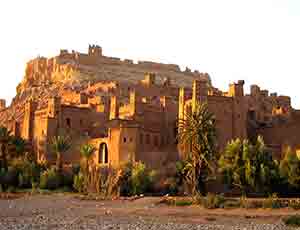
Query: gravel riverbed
(67, 212)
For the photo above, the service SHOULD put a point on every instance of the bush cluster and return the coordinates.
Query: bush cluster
(136, 179)
(272, 202)
(293, 221)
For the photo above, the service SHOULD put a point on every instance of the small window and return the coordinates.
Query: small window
(81, 122)
(68, 121)
(251, 115)
(141, 138)
(162, 142)
(155, 140)
(147, 139)
(124, 139)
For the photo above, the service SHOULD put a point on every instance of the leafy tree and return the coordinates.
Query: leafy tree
(248, 166)
(5, 138)
(87, 150)
(290, 168)
(60, 145)
(231, 164)
(197, 131)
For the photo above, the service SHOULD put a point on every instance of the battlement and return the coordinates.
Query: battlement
(149, 79)
(236, 89)
(95, 50)
(257, 92)
(2, 104)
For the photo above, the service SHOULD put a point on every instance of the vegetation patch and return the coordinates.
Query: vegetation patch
(210, 218)
(173, 201)
(272, 202)
(294, 204)
(293, 221)
(231, 204)
(183, 202)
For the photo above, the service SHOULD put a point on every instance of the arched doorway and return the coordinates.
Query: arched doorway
(103, 154)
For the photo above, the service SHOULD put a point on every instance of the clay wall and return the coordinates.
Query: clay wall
(283, 135)
(128, 143)
(101, 87)
(125, 111)
(40, 132)
(114, 146)
(27, 128)
(222, 108)
(78, 120)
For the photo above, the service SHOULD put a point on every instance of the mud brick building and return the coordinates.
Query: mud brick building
(128, 110)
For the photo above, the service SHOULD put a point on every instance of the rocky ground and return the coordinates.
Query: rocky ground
(68, 212)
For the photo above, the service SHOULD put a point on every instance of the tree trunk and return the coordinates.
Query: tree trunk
(3, 156)
(58, 162)
(87, 166)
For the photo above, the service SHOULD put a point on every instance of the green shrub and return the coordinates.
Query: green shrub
(294, 204)
(183, 202)
(50, 179)
(244, 203)
(293, 221)
(107, 180)
(67, 179)
(136, 179)
(199, 199)
(28, 172)
(2, 174)
(172, 201)
(75, 168)
(11, 189)
(78, 184)
(141, 179)
(272, 202)
(10, 178)
(214, 201)
(231, 204)
(210, 201)
(34, 187)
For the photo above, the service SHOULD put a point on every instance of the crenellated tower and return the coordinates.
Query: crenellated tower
(200, 92)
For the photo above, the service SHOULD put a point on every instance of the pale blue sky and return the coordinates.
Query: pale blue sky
(254, 40)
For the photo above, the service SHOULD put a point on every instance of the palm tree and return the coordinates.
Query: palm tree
(87, 151)
(197, 132)
(60, 145)
(5, 137)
